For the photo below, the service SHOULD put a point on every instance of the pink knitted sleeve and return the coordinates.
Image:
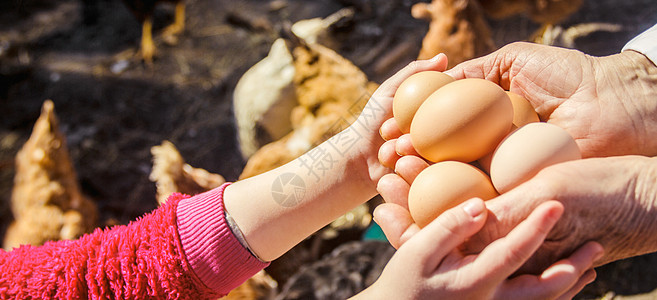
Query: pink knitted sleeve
(213, 252)
(143, 259)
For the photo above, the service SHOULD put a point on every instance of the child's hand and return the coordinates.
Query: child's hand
(399, 154)
(379, 109)
(430, 266)
(287, 204)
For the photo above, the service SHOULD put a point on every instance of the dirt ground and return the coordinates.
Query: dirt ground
(113, 108)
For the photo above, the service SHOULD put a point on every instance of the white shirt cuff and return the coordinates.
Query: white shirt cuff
(645, 43)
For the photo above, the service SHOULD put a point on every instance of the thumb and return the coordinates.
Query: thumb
(396, 222)
(388, 87)
(449, 230)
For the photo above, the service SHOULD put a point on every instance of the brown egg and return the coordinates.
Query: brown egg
(412, 92)
(523, 113)
(528, 150)
(462, 121)
(444, 185)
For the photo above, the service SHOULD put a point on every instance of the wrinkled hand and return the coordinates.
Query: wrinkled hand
(430, 266)
(608, 200)
(606, 103)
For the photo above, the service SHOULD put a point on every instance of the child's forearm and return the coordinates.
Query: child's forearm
(278, 209)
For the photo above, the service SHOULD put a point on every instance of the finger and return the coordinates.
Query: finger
(396, 223)
(388, 87)
(394, 189)
(588, 277)
(387, 155)
(577, 263)
(567, 276)
(473, 68)
(404, 146)
(390, 130)
(446, 232)
(530, 287)
(408, 167)
(494, 67)
(505, 255)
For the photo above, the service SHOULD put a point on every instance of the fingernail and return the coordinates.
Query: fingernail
(437, 57)
(591, 276)
(599, 255)
(375, 215)
(474, 207)
(558, 269)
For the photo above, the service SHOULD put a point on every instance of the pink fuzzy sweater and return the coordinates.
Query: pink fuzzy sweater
(182, 250)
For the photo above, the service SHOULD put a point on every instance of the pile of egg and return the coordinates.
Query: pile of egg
(482, 140)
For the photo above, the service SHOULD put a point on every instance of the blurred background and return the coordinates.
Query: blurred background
(117, 94)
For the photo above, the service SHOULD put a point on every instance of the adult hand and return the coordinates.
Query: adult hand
(273, 221)
(609, 200)
(431, 266)
(606, 103)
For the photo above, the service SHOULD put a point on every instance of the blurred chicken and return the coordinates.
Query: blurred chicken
(264, 96)
(330, 91)
(263, 99)
(46, 199)
(457, 28)
(546, 12)
(143, 11)
(172, 175)
(260, 286)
